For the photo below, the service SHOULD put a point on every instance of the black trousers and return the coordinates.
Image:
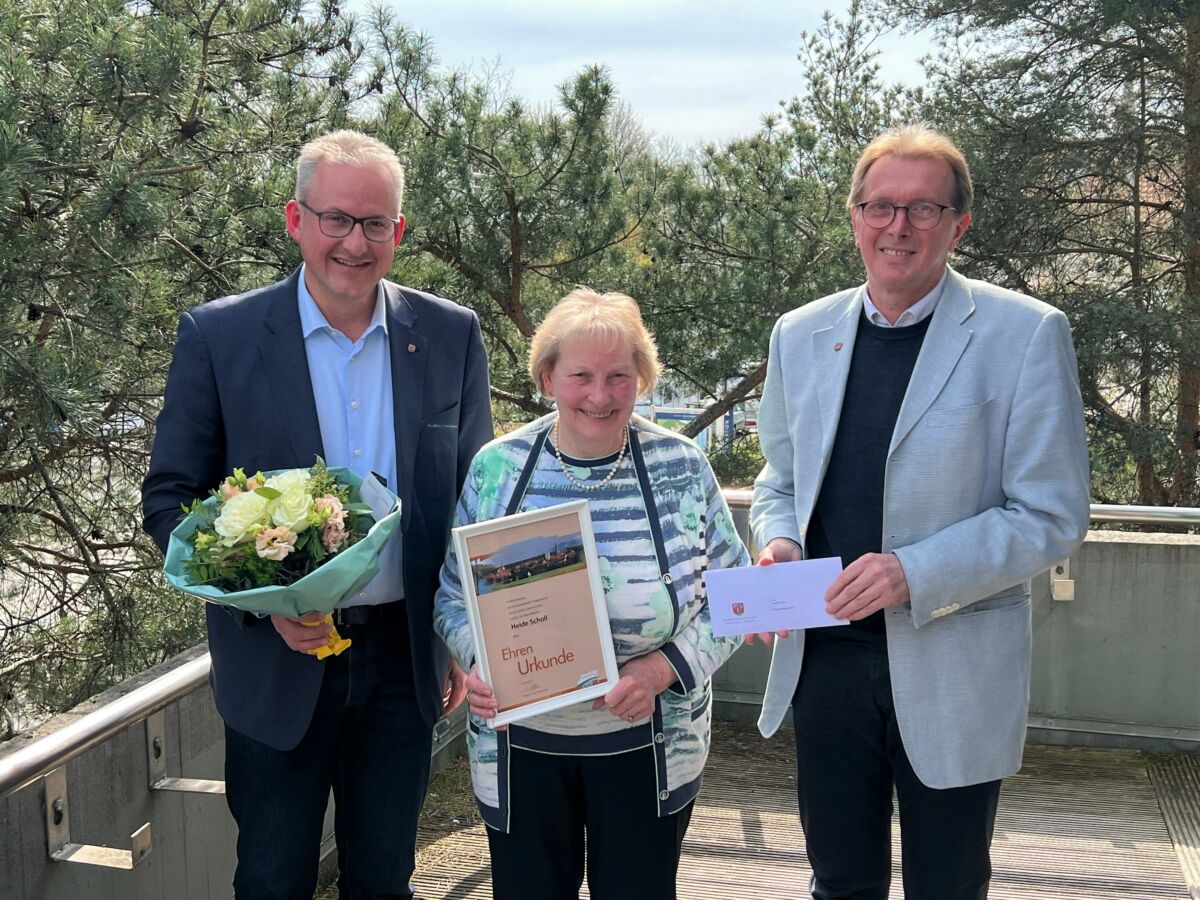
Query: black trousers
(631, 853)
(849, 755)
(367, 742)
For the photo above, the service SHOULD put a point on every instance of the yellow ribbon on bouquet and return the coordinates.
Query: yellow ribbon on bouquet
(335, 643)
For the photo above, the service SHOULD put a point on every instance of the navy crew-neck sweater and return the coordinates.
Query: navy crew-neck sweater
(847, 520)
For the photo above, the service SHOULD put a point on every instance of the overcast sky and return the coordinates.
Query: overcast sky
(691, 70)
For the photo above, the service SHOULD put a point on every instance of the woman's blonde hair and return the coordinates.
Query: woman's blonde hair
(587, 313)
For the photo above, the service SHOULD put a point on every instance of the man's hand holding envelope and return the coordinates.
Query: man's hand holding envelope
(778, 550)
(781, 594)
(872, 582)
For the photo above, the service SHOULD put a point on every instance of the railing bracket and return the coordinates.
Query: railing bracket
(58, 832)
(156, 759)
(1062, 587)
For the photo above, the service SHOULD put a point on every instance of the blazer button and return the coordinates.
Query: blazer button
(659, 738)
(664, 795)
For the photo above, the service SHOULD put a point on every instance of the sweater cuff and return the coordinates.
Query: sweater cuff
(683, 672)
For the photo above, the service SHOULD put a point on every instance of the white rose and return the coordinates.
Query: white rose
(290, 480)
(291, 510)
(242, 516)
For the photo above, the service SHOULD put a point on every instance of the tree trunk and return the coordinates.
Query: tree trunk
(1187, 418)
(715, 410)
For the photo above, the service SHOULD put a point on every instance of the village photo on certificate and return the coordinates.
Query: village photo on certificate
(535, 558)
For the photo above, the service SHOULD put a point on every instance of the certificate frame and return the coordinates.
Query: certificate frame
(535, 602)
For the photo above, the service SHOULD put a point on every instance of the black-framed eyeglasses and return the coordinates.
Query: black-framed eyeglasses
(922, 215)
(379, 229)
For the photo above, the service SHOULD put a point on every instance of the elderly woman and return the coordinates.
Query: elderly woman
(626, 768)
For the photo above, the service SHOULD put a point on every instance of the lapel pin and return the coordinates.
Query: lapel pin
(837, 346)
(412, 348)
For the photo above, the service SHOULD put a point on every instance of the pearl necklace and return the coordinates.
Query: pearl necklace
(588, 487)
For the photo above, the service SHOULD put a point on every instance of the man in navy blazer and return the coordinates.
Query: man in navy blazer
(928, 430)
(338, 362)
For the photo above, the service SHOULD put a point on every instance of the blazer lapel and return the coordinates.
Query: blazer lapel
(409, 363)
(944, 344)
(286, 364)
(832, 350)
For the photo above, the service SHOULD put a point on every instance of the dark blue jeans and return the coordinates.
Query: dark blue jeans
(849, 755)
(367, 742)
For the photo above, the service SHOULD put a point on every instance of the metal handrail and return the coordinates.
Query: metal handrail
(739, 498)
(1146, 515)
(48, 753)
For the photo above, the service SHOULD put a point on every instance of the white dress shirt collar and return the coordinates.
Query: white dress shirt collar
(918, 312)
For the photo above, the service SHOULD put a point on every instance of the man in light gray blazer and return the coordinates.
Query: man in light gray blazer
(927, 429)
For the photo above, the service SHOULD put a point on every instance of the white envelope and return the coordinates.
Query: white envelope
(787, 595)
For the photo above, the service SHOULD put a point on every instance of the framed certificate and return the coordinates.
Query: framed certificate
(537, 611)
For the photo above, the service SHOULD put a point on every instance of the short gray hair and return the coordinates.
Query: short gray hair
(351, 148)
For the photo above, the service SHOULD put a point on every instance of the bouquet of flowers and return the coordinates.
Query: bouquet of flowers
(289, 542)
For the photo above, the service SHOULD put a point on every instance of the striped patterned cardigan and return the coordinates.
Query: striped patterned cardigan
(660, 522)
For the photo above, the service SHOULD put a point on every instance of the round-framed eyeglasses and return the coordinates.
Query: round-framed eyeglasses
(379, 229)
(922, 215)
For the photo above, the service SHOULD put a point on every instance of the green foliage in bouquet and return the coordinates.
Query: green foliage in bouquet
(272, 530)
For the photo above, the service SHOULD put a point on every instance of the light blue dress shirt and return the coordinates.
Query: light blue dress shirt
(352, 385)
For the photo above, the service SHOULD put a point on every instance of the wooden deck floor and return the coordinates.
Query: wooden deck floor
(1073, 825)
